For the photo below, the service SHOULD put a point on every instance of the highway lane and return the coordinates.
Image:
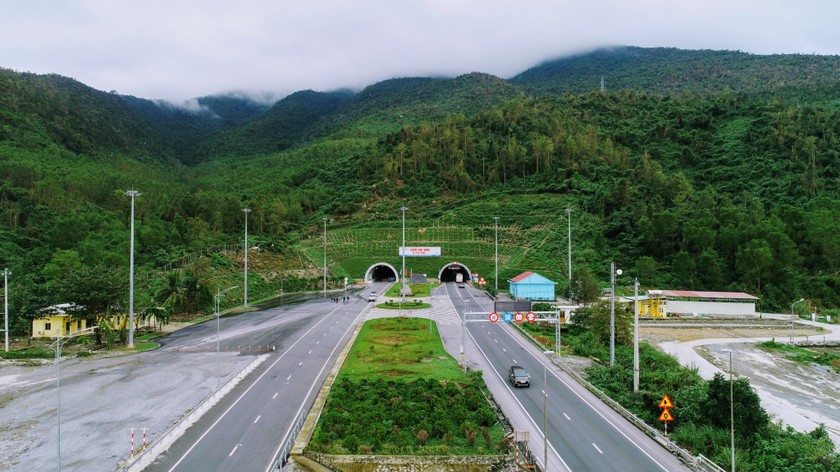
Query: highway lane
(246, 430)
(583, 434)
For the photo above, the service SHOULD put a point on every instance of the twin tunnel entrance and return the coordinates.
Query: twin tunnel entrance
(385, 272)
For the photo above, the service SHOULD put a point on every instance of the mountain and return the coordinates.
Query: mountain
(672, 71)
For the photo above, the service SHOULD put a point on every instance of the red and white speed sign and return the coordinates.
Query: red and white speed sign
(518, 317)
(494, 317)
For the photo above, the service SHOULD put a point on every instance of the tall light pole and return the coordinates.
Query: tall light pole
(613, 273)
(6, 274)
(325, 257)
(402, 289)
(794, 303)
(132, 194)
(57, 346)
(245, 296)
(569, 218)
(731, 412)
(636, 335)
(496, 219)
(218, 329)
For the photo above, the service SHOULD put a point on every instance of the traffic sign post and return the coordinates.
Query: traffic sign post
(531, 317)
(666, 417)
(494, 317)
(518, 317)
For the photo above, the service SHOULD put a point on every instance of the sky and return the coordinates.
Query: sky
(177, 50)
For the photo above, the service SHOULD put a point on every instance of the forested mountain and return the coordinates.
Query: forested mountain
(710, 170)
(797, 77)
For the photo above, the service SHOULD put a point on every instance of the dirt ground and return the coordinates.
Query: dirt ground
(801, 396)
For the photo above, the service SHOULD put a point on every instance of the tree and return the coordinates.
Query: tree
(584, 287)
(97, 288)
(750, 417)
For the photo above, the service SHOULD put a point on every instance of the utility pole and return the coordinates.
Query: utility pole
(6, 274)
(132, 194)
(325, 257)
(569, 218)
(245, 297)
(496, 279)
(613, 273)
(636, 335)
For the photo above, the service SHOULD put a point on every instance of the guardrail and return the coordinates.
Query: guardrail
(290, 441)
(143, 459)
(699, 462)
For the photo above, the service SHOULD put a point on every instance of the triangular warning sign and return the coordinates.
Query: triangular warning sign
(666, 415)
(666, 402)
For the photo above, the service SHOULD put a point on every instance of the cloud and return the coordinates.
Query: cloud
(179, 49)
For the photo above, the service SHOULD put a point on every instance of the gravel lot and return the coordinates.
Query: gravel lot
(102, 397)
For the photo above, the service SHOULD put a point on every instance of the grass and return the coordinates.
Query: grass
(417, 290)
(803, 356)
(408, 305)
(400, 348)
(29, 353)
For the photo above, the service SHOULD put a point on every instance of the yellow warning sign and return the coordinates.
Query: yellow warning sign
(666, 402)
(666, 416)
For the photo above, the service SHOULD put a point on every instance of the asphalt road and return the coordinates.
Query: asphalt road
(247, 430)
(583, 433)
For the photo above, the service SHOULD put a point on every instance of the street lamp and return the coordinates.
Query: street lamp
(569, 218)
(6, 274)
(402, 289)
(496, 219)
(636, 335)
(325, 257)
(245, 296)
(731, 411)
(218, 317)
(613, 273)
(132, 194)
(794, 303)
(57, 347)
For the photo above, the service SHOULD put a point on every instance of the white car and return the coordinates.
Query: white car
(372, 297)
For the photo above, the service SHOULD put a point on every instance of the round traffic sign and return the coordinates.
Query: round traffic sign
(518, 317)
(531, 316)
(494, 317)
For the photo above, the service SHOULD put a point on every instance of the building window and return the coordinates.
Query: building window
(47, 326)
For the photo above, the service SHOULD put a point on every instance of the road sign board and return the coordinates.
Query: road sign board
(666, 402)
(666, 416)
(508, 316)
(518, 317)
(531, 316)
(494, 317)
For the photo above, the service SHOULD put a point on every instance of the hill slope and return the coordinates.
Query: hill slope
(673, 71)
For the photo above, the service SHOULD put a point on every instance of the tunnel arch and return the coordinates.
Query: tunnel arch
(380, 272)
(448, 271)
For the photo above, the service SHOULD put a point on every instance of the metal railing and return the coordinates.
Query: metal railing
(161, 443)
(290, 441)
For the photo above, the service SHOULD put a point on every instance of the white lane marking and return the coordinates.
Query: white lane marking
(597, 448)
(234, 450)
(567, 417)
(318, 342)
(287, 379)
(504, 350)
(326, 333)
(310, 351)
(569, 387)
(275, 395)
(514, 361)
(302, 337)
(496, 340)
(300, 363)
(258, 418)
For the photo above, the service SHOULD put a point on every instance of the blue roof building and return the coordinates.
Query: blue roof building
(531, 286)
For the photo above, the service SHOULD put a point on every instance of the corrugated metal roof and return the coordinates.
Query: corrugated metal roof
(521, 277)
(531, 278)
(694, 294)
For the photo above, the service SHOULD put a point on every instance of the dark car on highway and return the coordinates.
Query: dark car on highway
(519, 377)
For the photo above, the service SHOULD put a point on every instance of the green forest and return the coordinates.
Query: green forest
(726, 181)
